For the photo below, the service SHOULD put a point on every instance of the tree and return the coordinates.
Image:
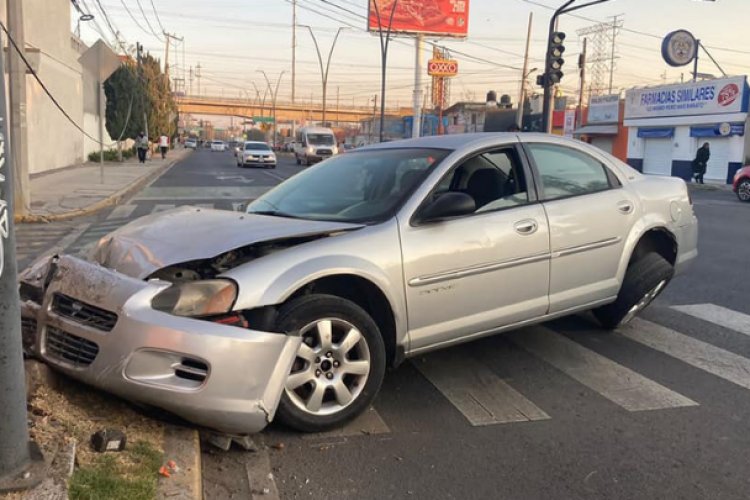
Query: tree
(255, 134)
(161, 107)
(124, 94)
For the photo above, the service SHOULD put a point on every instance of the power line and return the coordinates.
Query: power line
(111, 26)
(134, 19)
(148, 23)
(156, 13)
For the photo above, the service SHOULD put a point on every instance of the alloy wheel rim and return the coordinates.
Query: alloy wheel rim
(331, 367)
(743, 191)
(645, 301)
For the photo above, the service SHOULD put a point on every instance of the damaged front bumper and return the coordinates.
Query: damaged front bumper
(98, 326)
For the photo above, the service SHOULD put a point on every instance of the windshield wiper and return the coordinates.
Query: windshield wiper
(274, 213)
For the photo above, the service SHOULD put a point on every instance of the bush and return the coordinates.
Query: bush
(111, 154)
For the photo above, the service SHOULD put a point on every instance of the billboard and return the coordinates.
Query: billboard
(442, 67)
(604, 109)
(708, 97)
(434, 17)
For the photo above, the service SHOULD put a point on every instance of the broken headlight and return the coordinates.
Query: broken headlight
(197, 298)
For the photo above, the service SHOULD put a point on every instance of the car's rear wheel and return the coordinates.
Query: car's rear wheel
(743, 190)
(644, 280)
(339, 366)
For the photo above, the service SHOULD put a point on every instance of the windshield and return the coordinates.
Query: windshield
(364, 186)
(320, 139)
(218, 142)
(260, 146)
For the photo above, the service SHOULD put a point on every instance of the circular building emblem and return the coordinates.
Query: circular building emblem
(679, 48)
(725, 129)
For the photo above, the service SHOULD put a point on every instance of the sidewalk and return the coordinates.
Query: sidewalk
(86, 188)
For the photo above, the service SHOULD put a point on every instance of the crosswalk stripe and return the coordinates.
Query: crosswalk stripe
(122, 212)
(714, 360)
(718, 315)
(615, 382)
(480, 395)
(162, 208)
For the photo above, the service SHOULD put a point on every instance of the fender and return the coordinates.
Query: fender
(646, 223)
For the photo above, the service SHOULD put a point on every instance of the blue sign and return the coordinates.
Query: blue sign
(655, 132)
(718, 130)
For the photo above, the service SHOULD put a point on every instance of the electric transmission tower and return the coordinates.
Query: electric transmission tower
(603, 38)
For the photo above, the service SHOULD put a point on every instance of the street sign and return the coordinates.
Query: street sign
(442, 67)
(263, 119)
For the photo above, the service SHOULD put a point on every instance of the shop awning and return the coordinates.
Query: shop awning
(596, 130)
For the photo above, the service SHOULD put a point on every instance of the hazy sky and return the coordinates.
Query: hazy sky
(232, 39)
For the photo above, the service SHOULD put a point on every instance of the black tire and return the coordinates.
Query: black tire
(743, 190)
(305, 310)
(642, 277)
(299, 162)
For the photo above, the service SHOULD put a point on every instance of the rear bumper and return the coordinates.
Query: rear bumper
(214, 375)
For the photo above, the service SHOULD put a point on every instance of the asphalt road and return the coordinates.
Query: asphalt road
(566, 410)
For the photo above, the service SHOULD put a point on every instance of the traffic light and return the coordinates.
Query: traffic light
(554, 58)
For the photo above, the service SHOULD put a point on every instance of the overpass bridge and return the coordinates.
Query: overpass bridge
(285, 111)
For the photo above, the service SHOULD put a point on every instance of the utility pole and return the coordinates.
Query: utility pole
(324, 72)
(338, 89)
(615, 25)
(18, 130)
(139, 61)
(582, 68)
(294, 48)
(190, 88)
(198, 77)
(416, 129)
(522, 93)
(274, 94)
(19, 459)
(167, 38)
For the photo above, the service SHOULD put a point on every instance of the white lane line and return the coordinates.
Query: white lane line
(714, 360)
(718, 315)
(162, 208)
(615, 382)
(122, 212)
(275, 176)
(475, 391)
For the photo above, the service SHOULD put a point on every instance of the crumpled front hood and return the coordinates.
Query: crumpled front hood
(189, 233)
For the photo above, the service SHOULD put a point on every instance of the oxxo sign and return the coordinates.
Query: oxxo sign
(708, 97)
(442, 67)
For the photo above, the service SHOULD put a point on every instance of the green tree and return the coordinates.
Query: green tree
(124, 103)
(161, 108)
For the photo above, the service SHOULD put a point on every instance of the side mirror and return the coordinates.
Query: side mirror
(446, 205)
(241, 207)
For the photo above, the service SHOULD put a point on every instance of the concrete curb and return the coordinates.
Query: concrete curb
(182, 445)
(112, 199)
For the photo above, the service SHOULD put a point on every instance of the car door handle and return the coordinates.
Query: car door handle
(625, 207)
(526, 226)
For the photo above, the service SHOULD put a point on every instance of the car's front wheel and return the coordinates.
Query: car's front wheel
(743, 190)
(339, 366)
(644, 280)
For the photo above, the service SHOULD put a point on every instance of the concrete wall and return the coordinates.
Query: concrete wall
(53, 141)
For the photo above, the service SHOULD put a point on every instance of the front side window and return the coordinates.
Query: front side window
(495, 180)
(567, 172)
(361, 186)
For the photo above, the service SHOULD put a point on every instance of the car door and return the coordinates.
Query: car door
(590, 216)
(472, 274)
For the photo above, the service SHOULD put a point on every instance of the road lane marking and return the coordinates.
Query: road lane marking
(480, 395)
(718, 315)
(122, 212)
(162, 208)
(368, 423)
(611, 380)
(275, 176)
(707, 357)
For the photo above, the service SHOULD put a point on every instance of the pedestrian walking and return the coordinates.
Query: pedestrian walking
(163, 145)
(701, 162)
(141, 143)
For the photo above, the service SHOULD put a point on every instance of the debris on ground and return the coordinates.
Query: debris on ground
(108, 440)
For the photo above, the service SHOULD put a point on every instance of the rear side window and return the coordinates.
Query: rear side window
(567, 172)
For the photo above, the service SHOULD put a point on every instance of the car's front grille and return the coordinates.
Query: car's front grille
(83, 313)
(325, 152)
(70, 348)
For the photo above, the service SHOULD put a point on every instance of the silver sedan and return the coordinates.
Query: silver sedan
(296, 307)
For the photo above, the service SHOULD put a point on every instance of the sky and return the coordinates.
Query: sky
(233, 39)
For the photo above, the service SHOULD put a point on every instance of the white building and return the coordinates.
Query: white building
(667, 124)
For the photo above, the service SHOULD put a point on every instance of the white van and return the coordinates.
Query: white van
(314, 144)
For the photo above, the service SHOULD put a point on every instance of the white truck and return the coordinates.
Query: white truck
(314, 144)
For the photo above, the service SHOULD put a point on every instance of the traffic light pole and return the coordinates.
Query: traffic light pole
(546, 81)
(19, 458)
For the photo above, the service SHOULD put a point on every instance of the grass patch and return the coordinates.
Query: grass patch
(129, 475)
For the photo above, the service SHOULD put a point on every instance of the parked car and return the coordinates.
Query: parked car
(218, 146)
(741, 184)
(191, 143)
(295, 307)
(256, 153)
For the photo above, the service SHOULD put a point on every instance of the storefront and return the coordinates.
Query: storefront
(667, 124)
(603, 125)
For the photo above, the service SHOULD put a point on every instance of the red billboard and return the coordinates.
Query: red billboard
(434, 17)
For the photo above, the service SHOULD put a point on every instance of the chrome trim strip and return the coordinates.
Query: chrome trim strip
(585, 247)
(480, 269)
